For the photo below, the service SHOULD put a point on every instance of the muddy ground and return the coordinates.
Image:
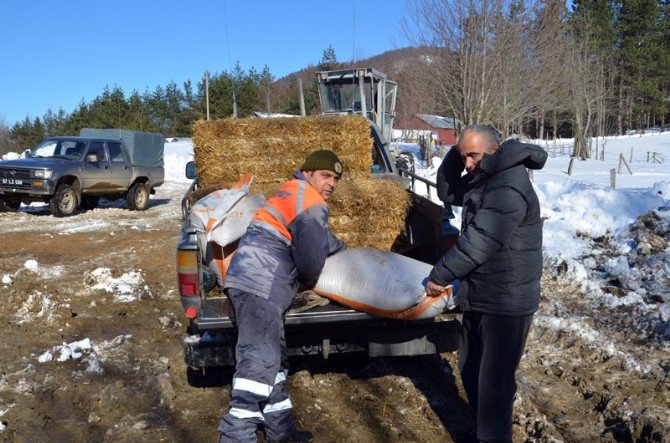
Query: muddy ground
(125, 380)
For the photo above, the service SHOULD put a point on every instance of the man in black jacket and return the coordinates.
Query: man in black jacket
(498, 259)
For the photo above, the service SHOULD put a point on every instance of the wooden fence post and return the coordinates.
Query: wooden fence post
(572, 160)
(631, 154)
(622, 161)
(613, 178)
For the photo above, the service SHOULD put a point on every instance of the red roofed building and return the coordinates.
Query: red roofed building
(446, 128)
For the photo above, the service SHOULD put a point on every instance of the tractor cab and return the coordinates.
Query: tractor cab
(362, 91)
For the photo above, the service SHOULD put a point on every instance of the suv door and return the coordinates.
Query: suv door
(121, 172)
(96, 175)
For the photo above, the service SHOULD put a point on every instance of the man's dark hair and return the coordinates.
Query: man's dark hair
(488, 131)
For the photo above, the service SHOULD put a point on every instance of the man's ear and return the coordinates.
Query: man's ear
(494, 149)
(308, 174)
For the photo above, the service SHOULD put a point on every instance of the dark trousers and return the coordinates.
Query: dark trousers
(490, 350)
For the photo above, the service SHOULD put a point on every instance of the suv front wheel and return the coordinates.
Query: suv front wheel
(64, 202)
(138, 197)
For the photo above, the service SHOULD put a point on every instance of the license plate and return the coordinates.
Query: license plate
(11, 181)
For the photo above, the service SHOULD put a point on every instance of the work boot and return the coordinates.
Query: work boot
(296, 437)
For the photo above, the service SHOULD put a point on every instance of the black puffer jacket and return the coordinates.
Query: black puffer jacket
(498, 257)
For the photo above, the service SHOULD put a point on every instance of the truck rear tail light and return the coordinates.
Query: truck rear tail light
(187, 272)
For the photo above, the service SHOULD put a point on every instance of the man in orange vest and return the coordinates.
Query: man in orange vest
(285, 247)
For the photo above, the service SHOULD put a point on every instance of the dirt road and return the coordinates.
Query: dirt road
(91, 351)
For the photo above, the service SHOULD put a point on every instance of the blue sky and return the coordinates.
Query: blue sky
(56, 53)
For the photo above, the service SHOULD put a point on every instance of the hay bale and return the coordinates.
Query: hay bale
(272, 149)
(368, 212)
(363, 211)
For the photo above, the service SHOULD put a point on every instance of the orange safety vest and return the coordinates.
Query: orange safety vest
(281, 209)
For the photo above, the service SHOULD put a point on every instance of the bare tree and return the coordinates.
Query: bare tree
(415, 96)
(550, 47)
(585, 76)
(490, 57)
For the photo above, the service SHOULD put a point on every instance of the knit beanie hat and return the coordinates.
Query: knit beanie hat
(322, 160)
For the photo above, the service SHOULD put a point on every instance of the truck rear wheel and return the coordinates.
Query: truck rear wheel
(138, 197)
(89, 201)
(13, 203)
(64, 202)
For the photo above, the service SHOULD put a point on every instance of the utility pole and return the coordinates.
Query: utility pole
(302, 98)
(207, 91)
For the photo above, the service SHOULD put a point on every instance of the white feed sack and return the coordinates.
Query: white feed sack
(381, 283)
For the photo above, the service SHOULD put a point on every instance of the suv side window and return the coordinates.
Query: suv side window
(98, 149)
(116, 153)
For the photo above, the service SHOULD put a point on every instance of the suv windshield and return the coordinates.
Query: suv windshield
(68, 149)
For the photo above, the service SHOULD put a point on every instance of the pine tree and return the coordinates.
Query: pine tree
(328, 60)
(174, 100)
(137, 117)
(191, 110)
(157, 105)
(266, 81)
(54, 123)
(644, 58)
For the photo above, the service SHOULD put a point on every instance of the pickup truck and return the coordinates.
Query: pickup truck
(327, 329)
(75, 172)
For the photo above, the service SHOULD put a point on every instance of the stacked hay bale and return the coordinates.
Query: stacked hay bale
(364, 211)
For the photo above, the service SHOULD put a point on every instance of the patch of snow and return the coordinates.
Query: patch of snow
(37, 306)
(6, 279)
(85, 350)
(86, 227)
(578, 326)
(47, 356)
(11, 156)
(31, 265)
(34, 267)
(126, 288)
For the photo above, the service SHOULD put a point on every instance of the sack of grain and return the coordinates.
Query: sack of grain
(381, 283)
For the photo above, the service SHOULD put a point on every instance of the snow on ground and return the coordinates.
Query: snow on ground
(126, 288)
(177, 154)
(88, 352)
(37, 306)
